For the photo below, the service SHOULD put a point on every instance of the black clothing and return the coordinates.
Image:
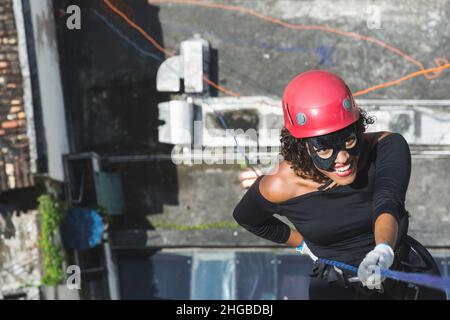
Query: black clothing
(337, 224)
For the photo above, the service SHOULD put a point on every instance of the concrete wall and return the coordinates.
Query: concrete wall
(113, 103)
(256, 57)
(208, 193)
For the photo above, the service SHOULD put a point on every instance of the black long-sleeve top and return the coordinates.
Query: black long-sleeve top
(337, 224)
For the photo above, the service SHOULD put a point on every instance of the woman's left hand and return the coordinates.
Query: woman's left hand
(381, 257)
(303, 249)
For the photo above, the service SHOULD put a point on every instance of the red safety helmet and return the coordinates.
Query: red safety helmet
(317, 102)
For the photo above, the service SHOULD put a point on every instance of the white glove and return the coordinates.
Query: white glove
(381, 257)
(303, 249)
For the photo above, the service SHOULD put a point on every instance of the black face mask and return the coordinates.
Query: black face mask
(335, 141)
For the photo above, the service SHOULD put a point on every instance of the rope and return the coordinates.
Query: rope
(442, 283)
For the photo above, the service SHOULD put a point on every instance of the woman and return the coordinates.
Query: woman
(343, 190)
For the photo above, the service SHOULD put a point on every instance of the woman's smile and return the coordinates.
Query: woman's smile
(343, 170)
(344, 173)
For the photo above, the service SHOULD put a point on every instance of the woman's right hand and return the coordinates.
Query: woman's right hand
(248, 177)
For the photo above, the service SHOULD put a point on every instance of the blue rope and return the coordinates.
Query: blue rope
(128, 40)
(340, 265)
(442, 283)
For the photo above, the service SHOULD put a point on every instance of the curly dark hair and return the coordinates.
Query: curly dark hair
(294, 150)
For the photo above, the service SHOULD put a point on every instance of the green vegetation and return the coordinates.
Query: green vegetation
(51, 213)
(214, 225)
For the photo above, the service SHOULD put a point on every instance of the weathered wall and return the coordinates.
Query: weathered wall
(109, 85)
(111, 99)
(208, 194)
(14, 143)
(19, 254)
(256, 57)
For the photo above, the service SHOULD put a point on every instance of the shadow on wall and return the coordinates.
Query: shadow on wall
(109, 80)
(146, 186)
(136, 275)
(22, 199)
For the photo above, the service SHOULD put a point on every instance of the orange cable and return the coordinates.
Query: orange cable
(138, 28)
(160, 48)
(395, 82)
(300, 27)
(436, 70)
